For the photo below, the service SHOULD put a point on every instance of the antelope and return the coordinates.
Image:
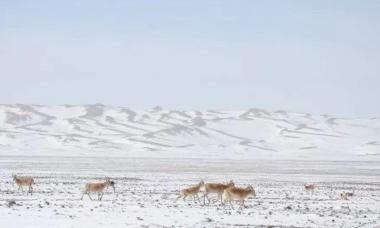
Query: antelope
(345, 195)
(237, 193)
(216, 188)
(98, 187)
(192, 191)
(309, 187)
(24, 181)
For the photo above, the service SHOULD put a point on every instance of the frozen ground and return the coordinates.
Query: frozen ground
(147, 188)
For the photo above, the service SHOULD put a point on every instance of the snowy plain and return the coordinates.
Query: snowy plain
(152, 154)
(146, 190)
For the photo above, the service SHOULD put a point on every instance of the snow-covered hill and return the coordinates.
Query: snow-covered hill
(97, 130)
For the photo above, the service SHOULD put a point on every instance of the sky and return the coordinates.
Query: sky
(316, 56)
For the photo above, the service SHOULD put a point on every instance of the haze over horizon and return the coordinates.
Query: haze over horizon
(314, 57)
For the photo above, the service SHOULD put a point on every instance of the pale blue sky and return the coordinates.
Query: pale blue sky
(318, 56)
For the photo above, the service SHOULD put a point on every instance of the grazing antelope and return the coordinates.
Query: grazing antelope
(24, 181)
(309, 187)
(236, 193)
(192, 191)
(216, 188)
(98, 187)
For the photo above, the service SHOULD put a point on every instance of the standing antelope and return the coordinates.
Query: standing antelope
(98, 187)
(309, 187)
(216, 188)
(345, 195)
(192, 191)
(24, 181)
(237, 193)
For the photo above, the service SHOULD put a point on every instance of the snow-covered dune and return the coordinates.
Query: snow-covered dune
(98, 130)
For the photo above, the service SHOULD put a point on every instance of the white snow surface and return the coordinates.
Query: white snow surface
(146, 189)
(98, 130)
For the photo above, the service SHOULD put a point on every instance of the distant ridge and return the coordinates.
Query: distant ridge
(99, 130)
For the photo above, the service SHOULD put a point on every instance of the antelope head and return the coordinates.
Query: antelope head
(111, 183)
(252, 191)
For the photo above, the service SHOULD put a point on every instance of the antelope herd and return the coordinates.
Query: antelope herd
(227, 192)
